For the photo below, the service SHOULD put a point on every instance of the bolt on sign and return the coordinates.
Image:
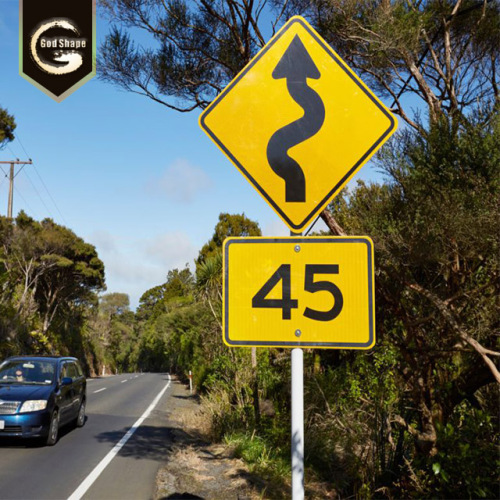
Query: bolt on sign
(57, 44)
(298, 123)
(299, 292)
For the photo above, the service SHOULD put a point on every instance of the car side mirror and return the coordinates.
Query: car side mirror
(66, 381)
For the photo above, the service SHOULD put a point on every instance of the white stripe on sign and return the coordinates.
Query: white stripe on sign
(91, 478)
(100, 390)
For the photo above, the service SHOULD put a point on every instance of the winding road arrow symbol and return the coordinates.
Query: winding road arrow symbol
(296, 65)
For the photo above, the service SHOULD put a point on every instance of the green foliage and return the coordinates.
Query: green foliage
(197, 48)
(113, 304)
(270, 463)
(151, 303)
(396, 421)
(7, 127)
(468, 461)
(434, 225)
(228, 226)
(49, 282)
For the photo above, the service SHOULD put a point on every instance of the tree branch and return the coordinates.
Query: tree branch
(448, 316)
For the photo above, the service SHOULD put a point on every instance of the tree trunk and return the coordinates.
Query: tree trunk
(332, 224)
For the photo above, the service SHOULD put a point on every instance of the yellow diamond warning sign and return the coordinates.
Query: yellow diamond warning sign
(298, 123)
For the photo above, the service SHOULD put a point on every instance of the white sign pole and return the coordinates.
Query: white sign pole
(297, 424)
(297, 419)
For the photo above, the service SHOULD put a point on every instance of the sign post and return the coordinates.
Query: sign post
(297, 401)
(298, 123)
(297, 424)
(299, 292)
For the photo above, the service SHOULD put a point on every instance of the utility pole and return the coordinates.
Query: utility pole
(12, 176)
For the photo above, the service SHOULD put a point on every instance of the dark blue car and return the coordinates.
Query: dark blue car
(38, 395)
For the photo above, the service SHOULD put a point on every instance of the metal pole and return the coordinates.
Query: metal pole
(11, 192)
(297, 424)
(297, 420)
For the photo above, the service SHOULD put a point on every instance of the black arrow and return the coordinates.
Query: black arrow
(296, 66)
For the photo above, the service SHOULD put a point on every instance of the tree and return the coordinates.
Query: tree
(49, 280)
(151, 303)
(209, 275)
(114, 304)
(52, 266)
(435, 226)
(7, 127)
(228, 226)
(155, 301)
(444, 52)
(434, 222)
(179, 284)
(198, 47)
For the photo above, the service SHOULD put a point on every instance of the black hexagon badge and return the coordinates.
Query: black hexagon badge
(57, 44)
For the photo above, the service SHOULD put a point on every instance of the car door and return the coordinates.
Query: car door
(64, 397)
(76, 392)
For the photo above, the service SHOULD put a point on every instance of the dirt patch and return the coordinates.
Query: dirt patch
(197, 468)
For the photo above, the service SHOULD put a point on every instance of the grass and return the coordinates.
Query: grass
(264, 461)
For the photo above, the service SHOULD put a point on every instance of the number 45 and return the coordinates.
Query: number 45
(286, 303)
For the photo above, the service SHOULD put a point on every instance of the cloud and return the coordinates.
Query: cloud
(103, 241)
(172, 249)
(133, 266)
(181, 182)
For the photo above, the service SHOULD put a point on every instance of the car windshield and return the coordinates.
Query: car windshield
(27, 371)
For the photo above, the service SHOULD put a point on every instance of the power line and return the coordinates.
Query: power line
(38, 194)
(10, 149)
(5, 176)
(53, 201)
(25, 202)
(43, 184)
(25, 152)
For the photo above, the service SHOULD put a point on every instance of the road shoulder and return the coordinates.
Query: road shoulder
(196, 468)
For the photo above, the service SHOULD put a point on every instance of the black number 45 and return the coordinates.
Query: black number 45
(286, 303)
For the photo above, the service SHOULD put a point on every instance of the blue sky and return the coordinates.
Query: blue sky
(141, 182)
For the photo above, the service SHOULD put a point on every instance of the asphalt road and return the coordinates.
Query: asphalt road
(63, 471)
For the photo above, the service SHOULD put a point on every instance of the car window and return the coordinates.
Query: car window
(64, 371)
(27, 371)
(71, 370)
(79, 369)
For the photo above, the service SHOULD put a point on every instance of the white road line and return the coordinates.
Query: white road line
(91, 478)
(123, 381)
(100, 390)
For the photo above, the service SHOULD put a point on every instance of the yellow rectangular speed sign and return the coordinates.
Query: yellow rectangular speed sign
(299, 292)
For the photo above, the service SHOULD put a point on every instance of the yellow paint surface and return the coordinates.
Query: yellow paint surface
(250, 262)
(254, 106)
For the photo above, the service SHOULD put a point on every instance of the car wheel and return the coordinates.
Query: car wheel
(53, 429)
(80, 420)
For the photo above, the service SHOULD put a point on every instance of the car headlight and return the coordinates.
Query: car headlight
(36, 405)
